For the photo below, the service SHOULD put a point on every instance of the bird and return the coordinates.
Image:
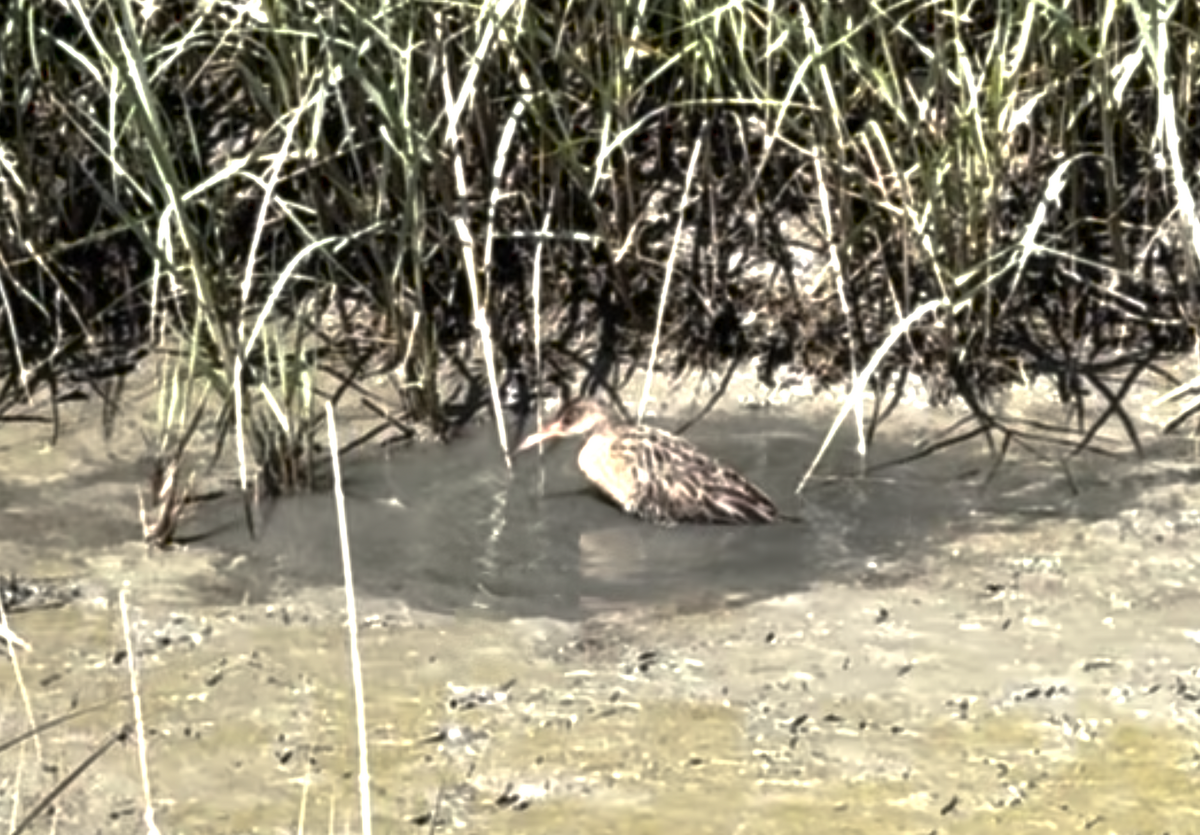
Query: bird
(654, 475)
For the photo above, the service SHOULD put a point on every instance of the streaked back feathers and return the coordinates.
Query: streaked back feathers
(656, 475)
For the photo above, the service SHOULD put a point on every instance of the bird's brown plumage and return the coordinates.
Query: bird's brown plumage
(656, 475)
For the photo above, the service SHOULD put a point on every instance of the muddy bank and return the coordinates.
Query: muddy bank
(921, 654)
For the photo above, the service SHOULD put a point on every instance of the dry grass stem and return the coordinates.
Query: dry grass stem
(139, 725)
(360, 709)
(854, 398)
(171, 497)
(13, 641)
(666, 286)
(454, 109)
(12, 638)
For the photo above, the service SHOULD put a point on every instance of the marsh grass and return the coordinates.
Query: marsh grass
(287, 201)
(441, 208)
(483, 205)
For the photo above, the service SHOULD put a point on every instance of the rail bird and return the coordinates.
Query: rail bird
(653, 474)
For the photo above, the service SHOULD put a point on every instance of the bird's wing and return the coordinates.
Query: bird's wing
(678, 482)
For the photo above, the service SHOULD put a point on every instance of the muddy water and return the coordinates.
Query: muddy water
(919, 654)
(450, 529)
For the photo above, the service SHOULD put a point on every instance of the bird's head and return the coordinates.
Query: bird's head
(582, 417)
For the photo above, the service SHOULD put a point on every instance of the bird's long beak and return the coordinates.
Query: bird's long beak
(554, 430)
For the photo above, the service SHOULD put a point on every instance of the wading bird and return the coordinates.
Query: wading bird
(653, 474)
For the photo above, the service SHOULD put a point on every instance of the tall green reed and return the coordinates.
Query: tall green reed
(273, 164)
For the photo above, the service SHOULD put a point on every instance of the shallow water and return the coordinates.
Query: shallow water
(923, 651)
(449, 528)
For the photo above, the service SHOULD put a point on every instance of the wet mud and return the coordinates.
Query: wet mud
(923, 653)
